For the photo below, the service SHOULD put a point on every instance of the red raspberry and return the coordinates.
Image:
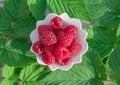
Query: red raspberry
(71, 29)
(65, 39)
(61, 53)
(42, 28)
(48, 38)
(37, 47)
(74, 47)
(60, 34)
(56, 23)
(50, 49)
(57, 32)
(48, 58)
(64, 61)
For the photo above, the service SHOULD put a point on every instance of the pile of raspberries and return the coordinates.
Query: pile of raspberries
(57, 44)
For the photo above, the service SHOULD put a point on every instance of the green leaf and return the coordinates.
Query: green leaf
(37, 8)
(4, 22)
(113, 65)
(2, 40)
(7, 71)
(23, 27)
(94, 62)
(100, 13)
(16, 53)
(8, 82)
(31, 83)
(10, 72)
(114, 4)
(113, 83)
(96, 9)
(90, 72)
(118, 34)
(16, 9)
(33, 72)
(109, 19)
(101, 40)
(75, 8)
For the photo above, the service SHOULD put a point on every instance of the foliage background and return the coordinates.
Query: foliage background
(101, 62)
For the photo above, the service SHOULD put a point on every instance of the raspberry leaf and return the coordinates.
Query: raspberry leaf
(10, 72)
(33, 73)
(16, 9)
(99, 8)
(31, 83)
(114, 4)
(8, 82)
(91, 71)
(20, 28)
(113, 83)
(101, 40)
(109, 19)
(75, 8)
(16, 52)
(4, 22)
(99, 12)
(113, 65)
(118, 34)
(37, 8)
(23, 27)
(102, 13)
(7, 71)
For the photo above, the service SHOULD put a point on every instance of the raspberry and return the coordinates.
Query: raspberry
(64, 61)
(71, 29)
(48, 58)
(60, 34)
(65, 39)
(42, 28)
(48, 38)
(57, 32)
(74, 47)
(61, 53)
(37, 47)
(56, 23)
(50, 49)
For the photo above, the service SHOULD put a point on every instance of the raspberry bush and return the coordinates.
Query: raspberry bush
(101, 63)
